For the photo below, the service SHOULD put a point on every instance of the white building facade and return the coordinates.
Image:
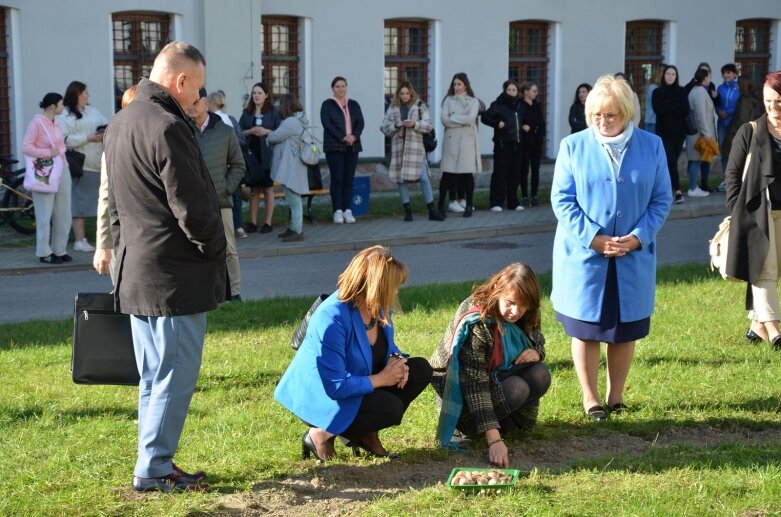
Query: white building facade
(298, 46)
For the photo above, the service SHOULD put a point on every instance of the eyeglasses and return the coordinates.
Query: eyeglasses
(609, 117)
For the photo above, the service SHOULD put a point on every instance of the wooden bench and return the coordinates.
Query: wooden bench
(279, 192)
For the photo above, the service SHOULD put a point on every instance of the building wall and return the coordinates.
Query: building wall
(345, 37)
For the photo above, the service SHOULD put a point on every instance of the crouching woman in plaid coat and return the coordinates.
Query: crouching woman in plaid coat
(488, 369)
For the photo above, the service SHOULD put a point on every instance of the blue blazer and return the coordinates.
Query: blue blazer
(329, 375)
(589, 200)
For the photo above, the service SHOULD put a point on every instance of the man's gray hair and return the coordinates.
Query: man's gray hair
(177, 50)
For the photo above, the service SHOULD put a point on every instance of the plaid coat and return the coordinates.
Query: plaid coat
(407, 152)
(484, 402)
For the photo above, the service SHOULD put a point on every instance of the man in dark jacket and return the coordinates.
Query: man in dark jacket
(169, 245)
(222, 154)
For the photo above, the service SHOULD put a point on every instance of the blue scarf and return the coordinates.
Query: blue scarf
(512, 343)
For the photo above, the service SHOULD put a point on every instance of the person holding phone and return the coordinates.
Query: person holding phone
(82, 126)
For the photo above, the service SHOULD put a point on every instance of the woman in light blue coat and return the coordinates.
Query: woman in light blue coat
(611, 194)
(286, 165)
(348, 377)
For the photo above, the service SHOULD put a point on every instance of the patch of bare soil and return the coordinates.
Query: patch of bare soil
(341, 489)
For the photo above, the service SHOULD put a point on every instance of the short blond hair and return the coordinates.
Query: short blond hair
(372, 279)
(611, 90)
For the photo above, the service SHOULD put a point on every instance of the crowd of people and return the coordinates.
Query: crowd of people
(165, 172)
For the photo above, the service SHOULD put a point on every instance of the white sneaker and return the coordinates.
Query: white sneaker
(496, 209)
(519, 208)
(455, 206)
(462, 202)
(722, 186)
(697, 192)
(348, 216)
(241, 234)
(83, 245)
(338, 217)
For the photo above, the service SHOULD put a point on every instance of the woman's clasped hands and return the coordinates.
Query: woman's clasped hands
(615, 246)
(395, 373)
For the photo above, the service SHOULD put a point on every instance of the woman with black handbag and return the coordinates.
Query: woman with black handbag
(753, 177)
(82, 126)
(406, 121)
(258, 119)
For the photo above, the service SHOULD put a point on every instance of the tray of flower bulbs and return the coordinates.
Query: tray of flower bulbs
(482, 480)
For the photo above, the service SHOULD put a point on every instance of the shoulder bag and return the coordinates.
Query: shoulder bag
(310, 147)
(43, 174)
(300, 333)
(103, 350)
(430, 138)
(75, 163)
(719, 245)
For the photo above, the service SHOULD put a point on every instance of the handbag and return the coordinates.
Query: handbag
(718, 246)
(103, 350)
(314, 177)
(430, 138)
(300, 332)
(310, 148)
(43, 174)
(75, 163)
(691, 125)
(254, 175)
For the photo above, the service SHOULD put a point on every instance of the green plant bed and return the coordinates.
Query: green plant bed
(702, 436)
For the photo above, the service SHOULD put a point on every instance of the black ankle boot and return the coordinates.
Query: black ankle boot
(441, 210)
(433, 215)
(407, 212)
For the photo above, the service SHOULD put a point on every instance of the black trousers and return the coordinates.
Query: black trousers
(385, 407)
(531, 154)
(506, 175)
(673, 145)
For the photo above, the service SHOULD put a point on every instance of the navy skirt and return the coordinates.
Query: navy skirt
(608, 329)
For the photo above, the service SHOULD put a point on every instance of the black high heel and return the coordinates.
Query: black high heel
(308, 447)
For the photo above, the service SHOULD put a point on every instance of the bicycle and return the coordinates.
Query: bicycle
(16, 206)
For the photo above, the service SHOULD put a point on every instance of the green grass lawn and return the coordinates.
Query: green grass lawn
(702, 439)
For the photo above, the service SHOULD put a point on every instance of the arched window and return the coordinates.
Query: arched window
(529, 47)
(138, 37)
(752, 49)
(643, 52)
(280, 46)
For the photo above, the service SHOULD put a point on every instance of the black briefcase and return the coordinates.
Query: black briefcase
(102, 342)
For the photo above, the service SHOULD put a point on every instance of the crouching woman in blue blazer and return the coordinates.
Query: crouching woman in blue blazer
(348, 378)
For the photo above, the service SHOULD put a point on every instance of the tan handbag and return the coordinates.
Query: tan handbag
(719, 244)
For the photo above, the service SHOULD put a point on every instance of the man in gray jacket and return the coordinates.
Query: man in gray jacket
(222, 154)
(169, 246)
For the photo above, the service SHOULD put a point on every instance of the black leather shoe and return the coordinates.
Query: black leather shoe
(357, 445)
(65, 258)
(618, 408)
(596, 414)
(776, 343)
(173, 482)
(287, 233)
(752, 337)
(266, 228)
(251, 228)
(308, 447)
(51, 259)
(467, 212)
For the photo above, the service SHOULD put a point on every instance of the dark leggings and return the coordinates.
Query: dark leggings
(385, 407)
(672, 149)
(523, 389)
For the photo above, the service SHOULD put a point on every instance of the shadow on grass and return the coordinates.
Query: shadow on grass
(260, 379)
(12, 416)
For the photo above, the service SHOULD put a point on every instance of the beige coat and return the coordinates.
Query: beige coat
(407, 151)
(460, 146)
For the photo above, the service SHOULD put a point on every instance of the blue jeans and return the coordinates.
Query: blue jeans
(296, 211)
(342, 168)
(425, 186)
(698, 168)
(168, 355)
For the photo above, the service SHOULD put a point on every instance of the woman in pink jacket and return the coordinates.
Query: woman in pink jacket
(43, 139)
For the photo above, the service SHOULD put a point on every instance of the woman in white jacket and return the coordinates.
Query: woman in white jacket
(82, 126)
(460, 148)
(286, 165)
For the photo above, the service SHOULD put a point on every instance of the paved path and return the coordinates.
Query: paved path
(452, 250)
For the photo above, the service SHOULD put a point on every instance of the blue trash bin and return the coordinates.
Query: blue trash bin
(361, 191)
